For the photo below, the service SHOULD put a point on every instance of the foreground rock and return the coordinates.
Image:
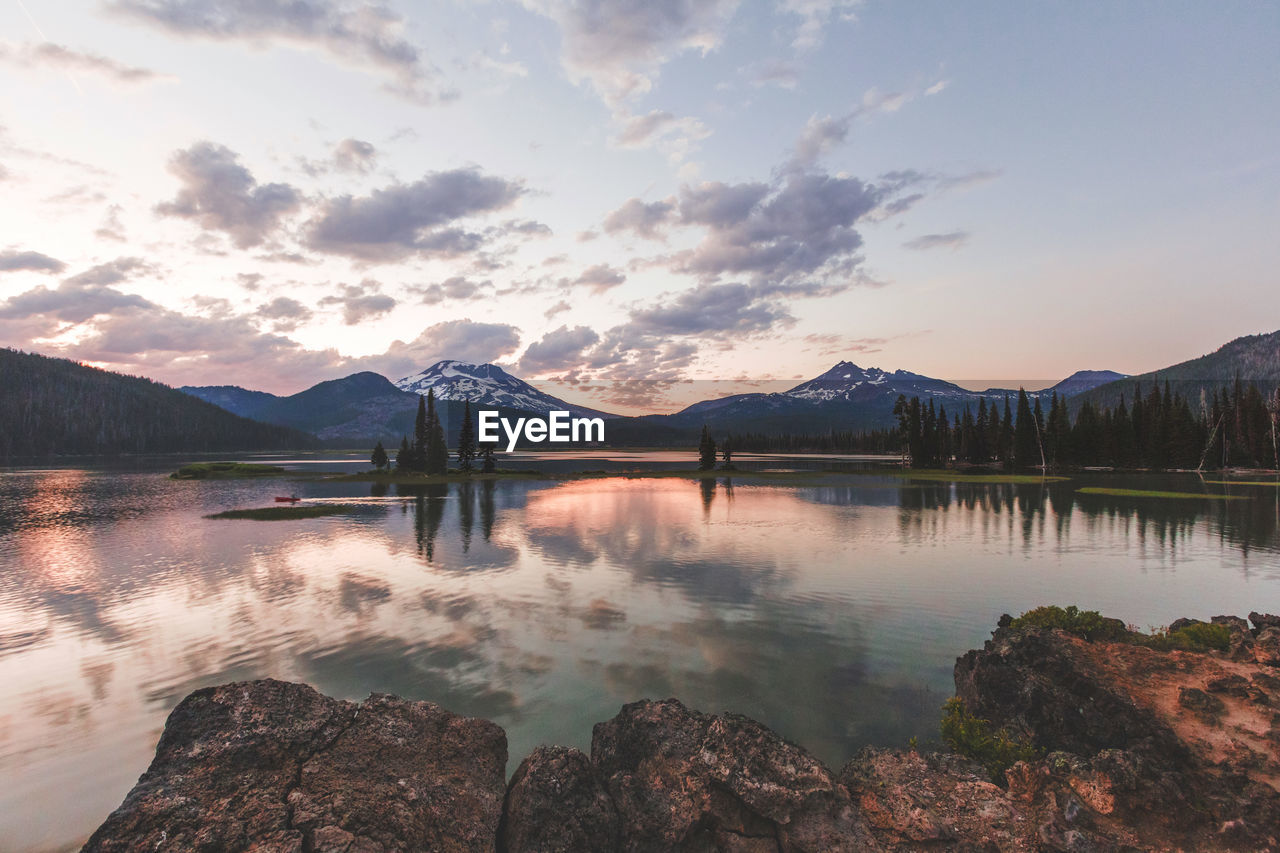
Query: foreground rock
(271, 766)
(1137, 749)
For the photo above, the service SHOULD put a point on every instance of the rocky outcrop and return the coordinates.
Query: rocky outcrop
(270, 766)
(1138, 749)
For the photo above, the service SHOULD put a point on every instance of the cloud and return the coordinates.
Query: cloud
(463, 340)
(49, 55)
(12, 261)
(559, 308)
(222, 195)
(600, 277)
(618, 46)
(404, 219)
(804, 226)
(111, 228)
(558, 350)
(815, 15)
(365, 34)
(112, 272)
(951, 240)
(361, 302)
(456, 287)
(644, 218)
(284, 313)
(775, 72)
(352, 156)
(673, 136)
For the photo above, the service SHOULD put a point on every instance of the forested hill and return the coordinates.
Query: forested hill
(54, 406)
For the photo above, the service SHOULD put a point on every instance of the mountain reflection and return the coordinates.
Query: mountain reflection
(832, 612)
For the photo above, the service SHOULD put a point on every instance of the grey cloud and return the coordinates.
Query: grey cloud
(951, 240)
(456, 287)
(361, 302)
(644, 218)
(776, 73)
(354, 155)
(639, 129)
(220, 194)
(559, 308)
(558, 350)
(712, 308)
(112, 272)
(617, 45)
(600, 278)
(366, 34)
(402, 219)
(12, 261)
(111, 228)
(814, 17)
(285, 313)
(80, 297)
(464, 340)
(804, 227)
(51, 55)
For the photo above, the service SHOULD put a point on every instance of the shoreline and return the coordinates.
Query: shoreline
(1075, 737)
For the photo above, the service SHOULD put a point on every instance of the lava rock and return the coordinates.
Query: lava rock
(276, 767)
(556, 803)
(683, 780)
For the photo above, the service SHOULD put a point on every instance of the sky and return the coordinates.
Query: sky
(636, 203)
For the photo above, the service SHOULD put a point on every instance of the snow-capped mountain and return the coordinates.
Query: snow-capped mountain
(851, 397)
(847, 381)
(486, 384)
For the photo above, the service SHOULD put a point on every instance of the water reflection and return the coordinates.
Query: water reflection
(831, 612)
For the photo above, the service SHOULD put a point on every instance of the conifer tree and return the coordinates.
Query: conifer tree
(435, 450)
(1006, 436)
(466, 442)
(404, 458)
(1024, 434)
(422, 431)
(726, 451)
(379, 457)
(706, 451)
(488, 464)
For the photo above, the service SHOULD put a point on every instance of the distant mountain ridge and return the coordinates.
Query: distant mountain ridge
(53, 406)
(1251, 359)
(851, 397)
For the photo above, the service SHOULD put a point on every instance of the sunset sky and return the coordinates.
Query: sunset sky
(270, 194)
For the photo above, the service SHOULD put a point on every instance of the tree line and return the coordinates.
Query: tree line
(53, 406)
(428, 452)
(1234, 427)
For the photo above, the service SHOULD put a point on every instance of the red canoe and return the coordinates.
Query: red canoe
(292, 499)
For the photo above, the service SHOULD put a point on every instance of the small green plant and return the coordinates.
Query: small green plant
(1089, 624)
(1197, 637)
(972, 737)
(1092, 625)
(913, 743)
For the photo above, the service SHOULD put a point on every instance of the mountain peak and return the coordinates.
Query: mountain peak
(484, 384)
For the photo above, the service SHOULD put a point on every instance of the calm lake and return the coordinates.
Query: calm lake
(831, 609)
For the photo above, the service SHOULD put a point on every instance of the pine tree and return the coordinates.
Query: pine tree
(1006, 436)
(404, 458)
(435, 452)
(706, 451)
(422, 431)
(488, 464)
(726, 451)
(466, 442)
(379, 457)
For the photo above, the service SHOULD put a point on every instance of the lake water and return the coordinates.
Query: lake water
(832, 611)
